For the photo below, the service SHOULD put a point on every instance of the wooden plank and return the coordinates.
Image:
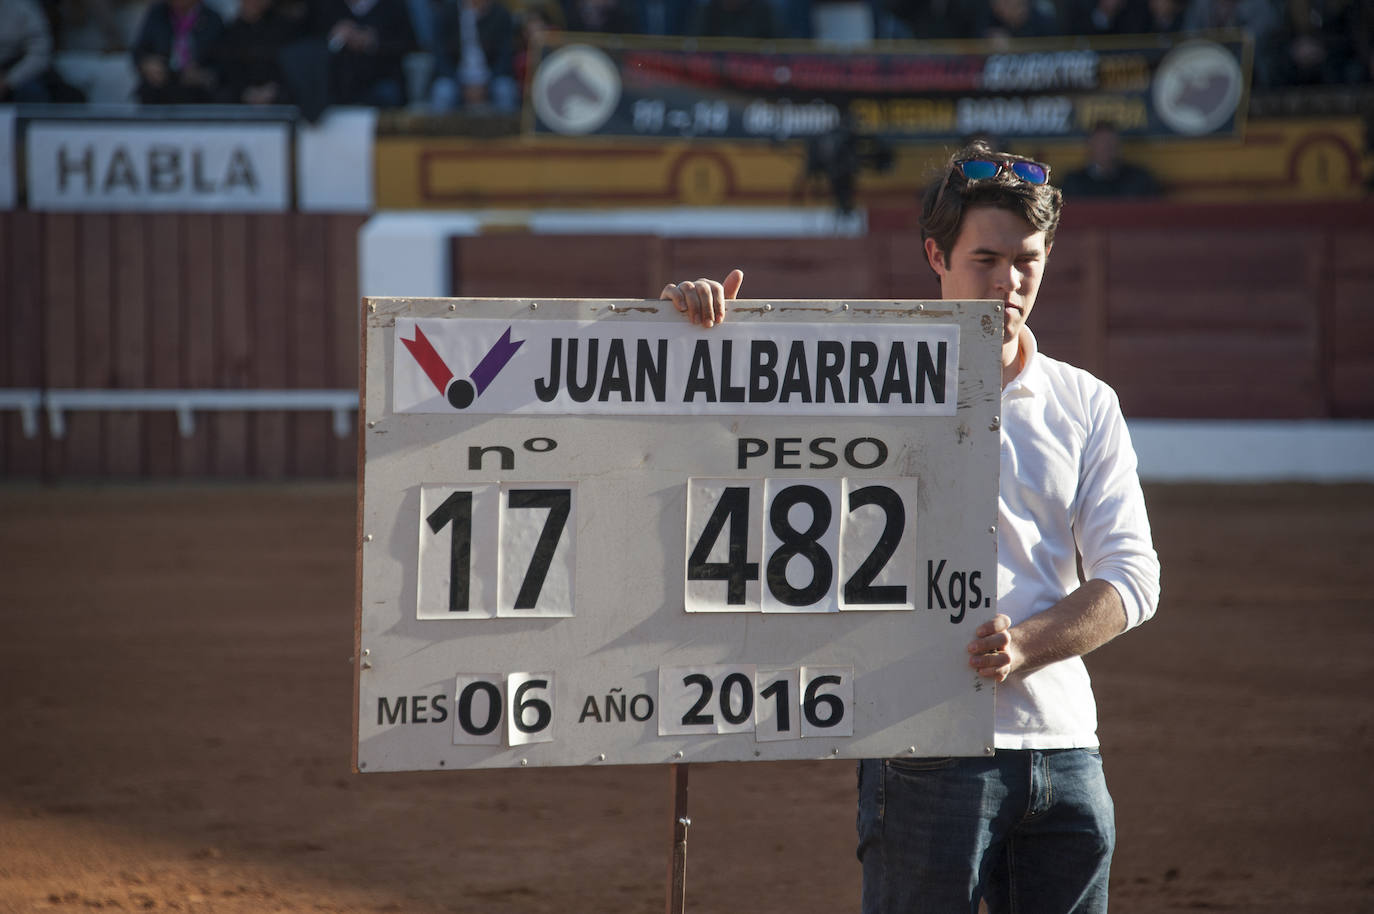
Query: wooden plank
(21, 344)
(166, 293)
(1351, 253)
(1282, 309)
(1352, 389)
(124, 445)
(200, 250)
(777, 268)
(95, 310)
(567, 266)
(1235, 375)
(343, 299)
(345, 319)
(270, 256)
(229, 448)
(77, 453)
(1241, 279)
(1188, 258)
(306, 323)
(902, 270)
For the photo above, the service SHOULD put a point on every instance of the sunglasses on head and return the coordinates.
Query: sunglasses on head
(982, 169)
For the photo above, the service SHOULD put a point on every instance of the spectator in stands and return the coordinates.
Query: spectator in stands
(1258, 17)
(937, 20)
(476, 65)
(1364, 49)
(173, 53)
(86, 25)
(614, 16)
(25, 52)
(1020, 19)
(1318, 41)
(248, 57)
(1165, 16)
(368, 41)
(535, 21)
(1105, 174)
(734, 19)
(1103, 17)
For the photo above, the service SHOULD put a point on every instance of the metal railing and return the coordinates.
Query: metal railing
(57, 402)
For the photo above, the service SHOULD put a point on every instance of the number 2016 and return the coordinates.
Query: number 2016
(773, 704)
(789, 545)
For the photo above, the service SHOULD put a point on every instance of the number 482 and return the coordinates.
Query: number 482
(808, 530)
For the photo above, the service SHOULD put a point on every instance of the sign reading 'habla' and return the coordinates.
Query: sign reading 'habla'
(141, 166)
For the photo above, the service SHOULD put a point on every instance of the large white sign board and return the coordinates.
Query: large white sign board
(591, 533)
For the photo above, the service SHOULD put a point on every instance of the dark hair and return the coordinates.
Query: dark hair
(952, 195)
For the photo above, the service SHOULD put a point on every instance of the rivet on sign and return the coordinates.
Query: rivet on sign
(367, 652)
(367, 538)
(534, 306)
(835, 751)
(992, 529)
(844, 307)
(601, 757)
(911, 750)
(362, 765)
(677, 754)
(988, 750)
(767, 306)
(452, 306)
(442, 763)
(612, 307)
(996, 423)
(996, 309)
(757, 753)
(372, 306)
(920, 307)
(524, 762)
(372, 423)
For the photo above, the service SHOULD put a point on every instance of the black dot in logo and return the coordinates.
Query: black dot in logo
(460, 394)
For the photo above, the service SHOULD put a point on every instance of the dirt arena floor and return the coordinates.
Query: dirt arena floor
(175, 704)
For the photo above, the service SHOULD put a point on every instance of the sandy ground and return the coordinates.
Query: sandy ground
(175, 701)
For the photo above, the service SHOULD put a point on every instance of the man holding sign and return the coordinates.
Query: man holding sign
(1030, 828)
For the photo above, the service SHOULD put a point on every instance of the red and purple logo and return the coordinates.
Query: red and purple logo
(460, 392)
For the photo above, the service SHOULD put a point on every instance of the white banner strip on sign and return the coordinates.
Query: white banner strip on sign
(144, 166)
(622, 368)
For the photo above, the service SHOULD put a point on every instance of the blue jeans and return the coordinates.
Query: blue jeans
(1025, 831)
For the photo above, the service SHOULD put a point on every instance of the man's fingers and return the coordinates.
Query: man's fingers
(673, 294)
(732, 284)
(998, 623)
(703, 300)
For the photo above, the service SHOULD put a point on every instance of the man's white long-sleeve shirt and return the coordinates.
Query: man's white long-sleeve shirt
(1069, 486)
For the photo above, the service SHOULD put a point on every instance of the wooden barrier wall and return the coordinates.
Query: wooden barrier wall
(1218, 311)
(1199, 311)
(137, 300)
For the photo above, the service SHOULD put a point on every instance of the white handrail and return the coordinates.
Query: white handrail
(185, 403)
(28, 401)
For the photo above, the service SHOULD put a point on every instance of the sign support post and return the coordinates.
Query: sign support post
(677, 866)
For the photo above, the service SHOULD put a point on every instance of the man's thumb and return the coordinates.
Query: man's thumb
(733, 282)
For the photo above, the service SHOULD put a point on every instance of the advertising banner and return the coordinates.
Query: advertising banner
(1148, 86)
